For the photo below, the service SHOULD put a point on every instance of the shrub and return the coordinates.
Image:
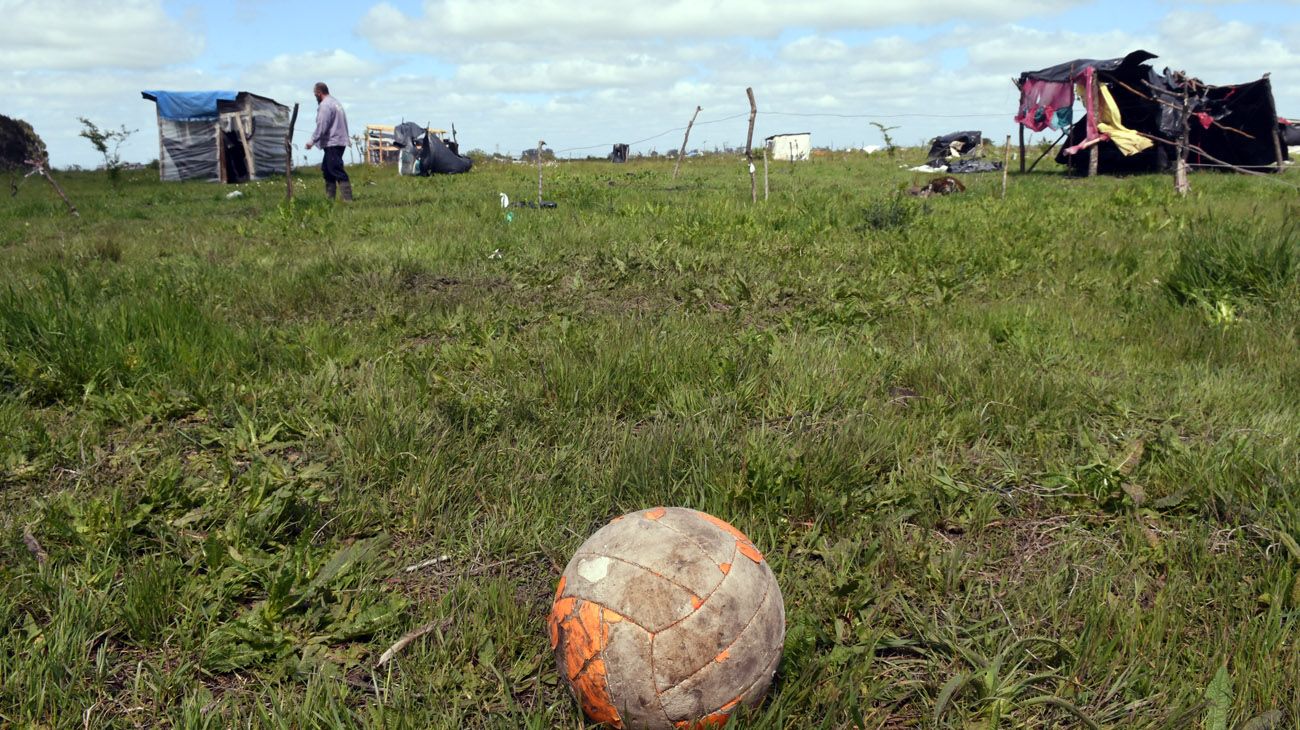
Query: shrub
(884, 215)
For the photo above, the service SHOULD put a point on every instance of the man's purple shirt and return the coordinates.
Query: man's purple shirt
(331, 124)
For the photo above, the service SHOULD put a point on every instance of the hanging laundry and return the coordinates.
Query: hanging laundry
(1128, 141)
(1042, 104)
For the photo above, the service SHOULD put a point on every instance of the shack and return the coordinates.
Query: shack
(221, 136)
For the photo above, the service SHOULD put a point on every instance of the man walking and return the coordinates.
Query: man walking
(331, 135)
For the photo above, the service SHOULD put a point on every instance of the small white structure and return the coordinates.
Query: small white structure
(796, 147)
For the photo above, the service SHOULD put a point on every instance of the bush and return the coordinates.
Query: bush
(884, 215)
(18, 143)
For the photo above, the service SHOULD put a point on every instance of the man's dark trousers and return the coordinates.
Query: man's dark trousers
(332, 168)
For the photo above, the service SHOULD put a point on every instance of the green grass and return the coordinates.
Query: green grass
(1015, 463)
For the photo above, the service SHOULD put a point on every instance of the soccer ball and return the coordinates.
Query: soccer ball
(667, 618)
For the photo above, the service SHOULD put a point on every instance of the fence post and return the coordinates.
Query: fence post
(1022, 148)
(1181, 184)
(1006, 163)
(682, 152)
(749, 145)
(540, 143)
(288, 156)
(764, 173)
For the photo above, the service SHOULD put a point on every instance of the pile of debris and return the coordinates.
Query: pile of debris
(957, 152)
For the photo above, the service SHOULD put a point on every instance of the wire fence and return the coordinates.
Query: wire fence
(761, 113)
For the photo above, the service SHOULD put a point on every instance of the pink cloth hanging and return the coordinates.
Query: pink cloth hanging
(1088, 90)
(1043, 96)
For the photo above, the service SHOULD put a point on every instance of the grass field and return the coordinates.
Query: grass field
(1015, 463)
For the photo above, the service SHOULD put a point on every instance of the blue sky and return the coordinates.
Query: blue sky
(508, 72)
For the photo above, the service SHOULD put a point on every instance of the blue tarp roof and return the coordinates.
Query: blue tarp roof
(188, 105)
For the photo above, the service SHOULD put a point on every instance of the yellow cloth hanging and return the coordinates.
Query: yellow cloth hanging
(1109, 123)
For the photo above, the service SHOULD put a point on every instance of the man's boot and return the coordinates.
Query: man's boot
(346, 188)
(329, 189)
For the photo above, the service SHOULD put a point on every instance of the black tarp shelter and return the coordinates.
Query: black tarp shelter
(1134, 116)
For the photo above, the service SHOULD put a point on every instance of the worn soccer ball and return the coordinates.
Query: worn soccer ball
(667, 618)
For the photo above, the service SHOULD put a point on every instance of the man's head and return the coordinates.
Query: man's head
(321, 90)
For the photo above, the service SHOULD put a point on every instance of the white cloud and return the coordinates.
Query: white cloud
(390, 28)
(92, 34)
(569, 74)
(337, 63)
(815, 48)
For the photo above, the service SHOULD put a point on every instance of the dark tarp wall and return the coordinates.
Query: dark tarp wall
(270, 126)
(188, 150)
(1070, 70)
(1248, 109)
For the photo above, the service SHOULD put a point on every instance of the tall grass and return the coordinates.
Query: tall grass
(1004, 477)
(1234, 261)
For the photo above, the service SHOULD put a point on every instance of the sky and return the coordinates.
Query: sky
(583, 76)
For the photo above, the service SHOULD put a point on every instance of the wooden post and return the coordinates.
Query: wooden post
(1277, 148)
(1022, 148)
(39, 167)
(540, 143)
(682, 152)
(248, 147)
(749, 145)
(764, 174)
(1094, 98)
(1181, 184)
(1006, 164)
(288, 155)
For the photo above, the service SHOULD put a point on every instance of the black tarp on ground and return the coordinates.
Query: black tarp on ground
(1151, 103)
(436, 158)
(962, 143)
(433, 155)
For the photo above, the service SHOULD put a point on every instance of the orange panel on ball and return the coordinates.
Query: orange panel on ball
(593, 694)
